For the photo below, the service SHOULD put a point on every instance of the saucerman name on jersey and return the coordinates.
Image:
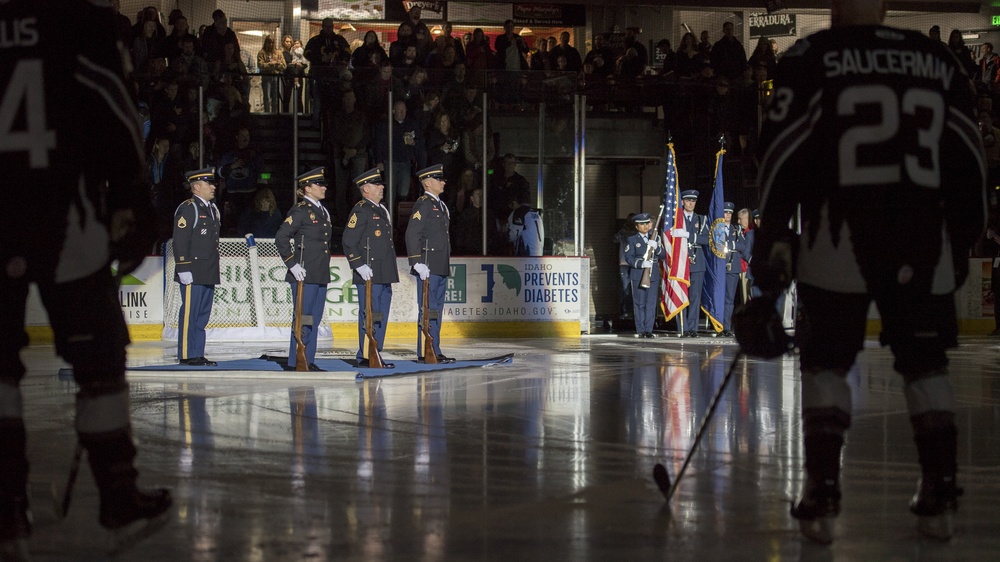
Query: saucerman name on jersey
(888, 61)
(18, 33)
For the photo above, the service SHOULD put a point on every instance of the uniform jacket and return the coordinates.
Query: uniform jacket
(369, 226)
(307, 229)
(697, 229)
(635, 253)
(429, 224)
(735, 244)
(196, 241)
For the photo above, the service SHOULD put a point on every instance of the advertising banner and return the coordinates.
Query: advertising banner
(772, 25)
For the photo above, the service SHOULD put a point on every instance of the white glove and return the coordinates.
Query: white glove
(185, 277)
(365, 271)
(680, 233)
(646, 264)
(654, 244)
(298, 272)
(422, 270)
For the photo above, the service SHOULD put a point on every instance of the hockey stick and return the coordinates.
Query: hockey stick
(660, 474)
(63, 508)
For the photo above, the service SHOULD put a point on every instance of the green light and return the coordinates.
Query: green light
(265, 176)
(996, 19)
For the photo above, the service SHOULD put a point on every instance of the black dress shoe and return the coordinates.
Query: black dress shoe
(363, 363)
(445, 359)
(648, 335)
(198, 362)
(691, 334)
(315, 368)
(388, 365)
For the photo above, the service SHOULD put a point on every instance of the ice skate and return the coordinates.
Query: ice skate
(132, 515)
(935, 504)
(15, 528)
(816, 510)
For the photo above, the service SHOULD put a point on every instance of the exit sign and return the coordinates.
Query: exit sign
(996, 20)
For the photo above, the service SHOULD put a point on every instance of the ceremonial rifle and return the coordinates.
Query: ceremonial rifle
(371, 344)
(301, 363)
(430, 356)
(651, 252)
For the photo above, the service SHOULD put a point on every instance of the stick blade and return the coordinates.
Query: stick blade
(662, 479)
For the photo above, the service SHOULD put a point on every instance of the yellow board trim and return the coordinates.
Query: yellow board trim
(469, 330)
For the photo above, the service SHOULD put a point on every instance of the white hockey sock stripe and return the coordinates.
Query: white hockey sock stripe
(102, 414)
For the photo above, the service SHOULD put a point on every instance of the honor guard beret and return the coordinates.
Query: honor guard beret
(642, 218)
(371, 176)
(436, 171)
(728, 207)
(316, 176)
(689, 194)
(204, 174)
(756, 213)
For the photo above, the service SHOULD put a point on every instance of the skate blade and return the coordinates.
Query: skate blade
(14, 550)
(937, 527)
(121, 540)
(819, 530)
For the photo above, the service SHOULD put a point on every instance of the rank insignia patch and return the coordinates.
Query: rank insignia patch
(181, 223)
(289, 220)
(353, 222)
(416, 216)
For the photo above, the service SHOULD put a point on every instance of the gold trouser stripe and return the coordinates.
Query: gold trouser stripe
(186, 323)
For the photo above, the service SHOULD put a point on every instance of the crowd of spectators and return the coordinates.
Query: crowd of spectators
(436, 83)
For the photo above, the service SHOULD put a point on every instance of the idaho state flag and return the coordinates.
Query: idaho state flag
(713, 296)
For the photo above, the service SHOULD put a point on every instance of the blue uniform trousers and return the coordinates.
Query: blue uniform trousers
(196, 307)
(435, 301)
(644, 303)
(313, 301)
(381, 299)
(732, 283)
(692, 314)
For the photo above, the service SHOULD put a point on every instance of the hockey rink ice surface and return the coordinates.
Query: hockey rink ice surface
(547, 458)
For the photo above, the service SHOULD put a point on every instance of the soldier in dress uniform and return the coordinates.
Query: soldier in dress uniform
(637, 248)
(735, 246)
(303, 242)
(696, 229)
(429, 251)
(196, 264)
(371, 254)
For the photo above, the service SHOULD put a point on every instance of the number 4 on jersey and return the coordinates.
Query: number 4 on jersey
(26, 87)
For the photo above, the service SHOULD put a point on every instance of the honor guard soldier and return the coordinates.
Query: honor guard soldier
(196, 264)
(735, 246)
(867, 158)
(429, 251)
(72, 206)
(642, 253)
(371, 255)
(303, 242)
(696, 231)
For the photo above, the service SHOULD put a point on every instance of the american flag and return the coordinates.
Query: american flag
(675, 270)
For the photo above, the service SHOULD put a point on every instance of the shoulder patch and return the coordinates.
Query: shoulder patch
(354, 221)
(416, 216)
(181, 223)
(289, 220)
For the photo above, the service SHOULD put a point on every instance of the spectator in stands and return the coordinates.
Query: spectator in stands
(601, 57)
(524, 225)
(728, 55)
(512, 59)
(376, 92)
(629, 66)
(467, 237)
(957, 46)
(216, 37)
(405, 66)
(367, 58)
(631, 41)
(423, 42)
(428, 112)
(172, 44)
(689, 58)
(669, 57)
(564, 49)
(123, 25)
(271, 63)
(149, 13)
(452, 41)
(473, 139)
(153, 80)
(351, 137)
(935, 33)
(467, 183)
(988, 74)
(164, 180)
(539, 57)
(413, 18)
(166, 110)
(297, 70)
(404, 39)
(196, 66)
(240, 170)
(503, 188)
(775, 50)
(479, 58)
(262, 218)
(453, 87)
(408, 147)
(763, 55)
(328, 53)
(443, 148)
(231, 71)
(145, 46)
(443, 68)
(705, 45)
(415, 88)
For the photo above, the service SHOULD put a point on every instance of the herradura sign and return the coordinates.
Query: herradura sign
(771, 25)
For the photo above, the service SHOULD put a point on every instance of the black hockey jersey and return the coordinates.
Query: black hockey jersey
(871, 130)
(68, 131)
